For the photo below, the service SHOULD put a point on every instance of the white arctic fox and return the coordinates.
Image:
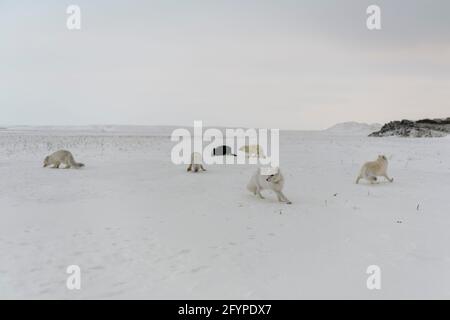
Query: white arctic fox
(253, 150)
(268, 180)
(196, 162)
(62, 157)
(373, 169)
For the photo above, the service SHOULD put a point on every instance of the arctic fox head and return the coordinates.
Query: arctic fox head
(46, 161)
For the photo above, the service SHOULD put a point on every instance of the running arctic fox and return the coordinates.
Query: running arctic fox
(62, 157)
(371, 170)
(268, 180)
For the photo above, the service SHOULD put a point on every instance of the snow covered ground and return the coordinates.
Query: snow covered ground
(140, 227)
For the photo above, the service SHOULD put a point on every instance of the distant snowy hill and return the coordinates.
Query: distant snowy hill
(353, 128)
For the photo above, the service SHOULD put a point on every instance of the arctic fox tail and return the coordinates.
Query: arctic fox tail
(75, 164)
(251, 187)
(362, 174)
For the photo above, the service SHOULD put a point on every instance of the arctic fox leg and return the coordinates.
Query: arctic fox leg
(387, 177)
(258, 192)
(201, 166)
(283, 197)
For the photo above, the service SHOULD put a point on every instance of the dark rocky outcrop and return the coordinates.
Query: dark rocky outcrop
(421, 128)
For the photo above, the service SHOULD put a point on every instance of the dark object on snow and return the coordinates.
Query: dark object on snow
(421, 128)
(223, 151)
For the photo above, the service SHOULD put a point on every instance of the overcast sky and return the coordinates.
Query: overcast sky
(300, 64)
